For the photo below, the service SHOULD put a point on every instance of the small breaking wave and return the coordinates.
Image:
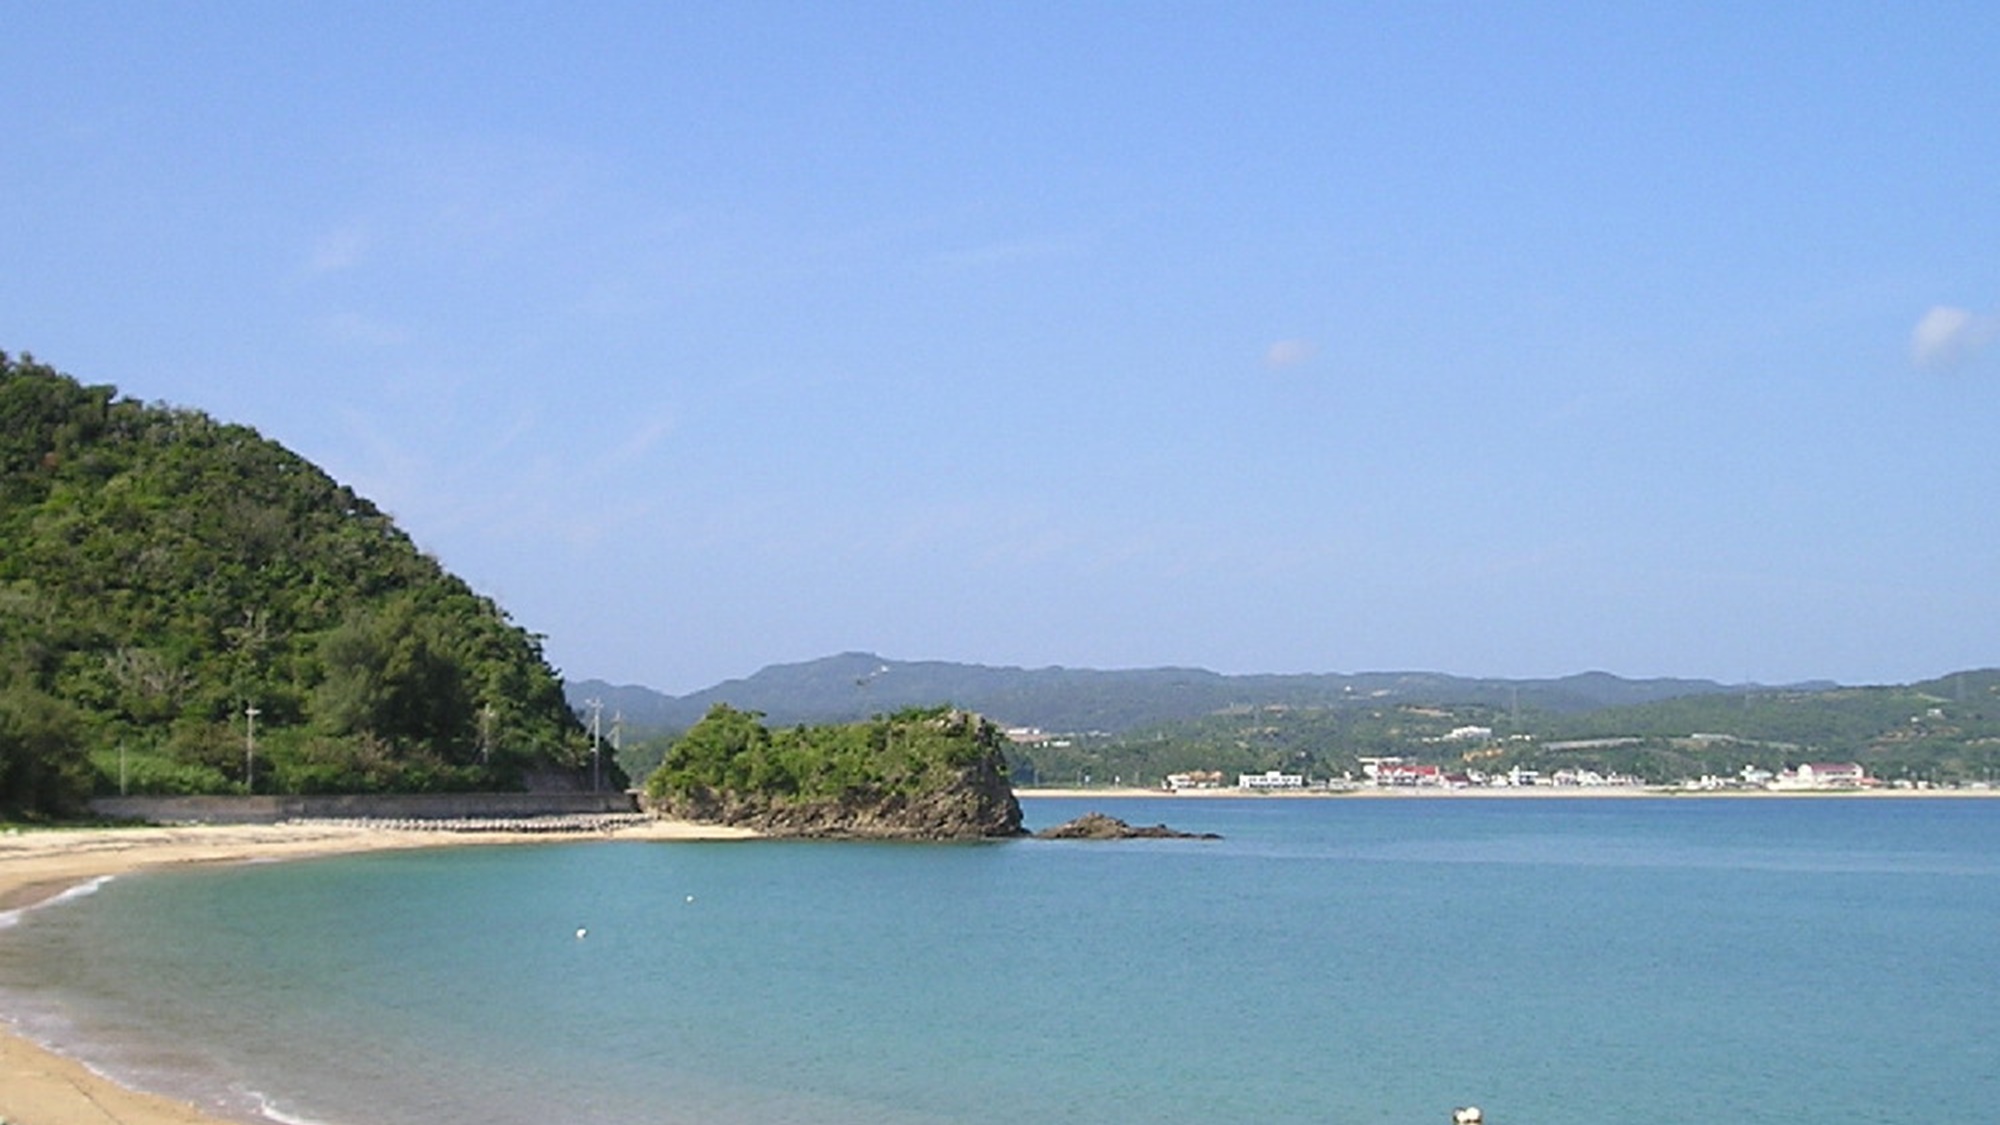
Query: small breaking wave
(81, 890)
(268, 1109)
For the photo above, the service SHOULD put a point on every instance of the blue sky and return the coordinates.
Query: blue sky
(1497, 339)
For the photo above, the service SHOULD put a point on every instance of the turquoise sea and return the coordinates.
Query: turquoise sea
(1557, 962)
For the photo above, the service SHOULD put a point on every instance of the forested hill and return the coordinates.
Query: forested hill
(1141, 725)
(857, 684)
(163, 573)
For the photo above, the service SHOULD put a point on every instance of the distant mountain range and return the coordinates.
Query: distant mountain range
(855, 685)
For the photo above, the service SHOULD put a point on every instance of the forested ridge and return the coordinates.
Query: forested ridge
(855, 685)
(1158, 721)
(1944, 731)
(163, 574)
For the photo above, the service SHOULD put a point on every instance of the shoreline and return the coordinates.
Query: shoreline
(41, 1086)
(1523, 793)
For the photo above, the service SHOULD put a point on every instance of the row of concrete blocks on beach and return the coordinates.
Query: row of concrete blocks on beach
(569, 823)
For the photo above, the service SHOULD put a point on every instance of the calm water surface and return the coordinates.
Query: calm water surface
(1338, 961)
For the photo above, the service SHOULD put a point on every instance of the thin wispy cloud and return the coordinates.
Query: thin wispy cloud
(641, 441)
(356, 329)
(995, 254)
(1948, 337)
(338, 250)
(1289, 353)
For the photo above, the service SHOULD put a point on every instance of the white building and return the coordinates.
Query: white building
(1823, 775)
(1270, 779)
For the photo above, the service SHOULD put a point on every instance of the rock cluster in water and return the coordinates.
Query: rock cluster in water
(1098, 826)
(922, 774)
(975, 809)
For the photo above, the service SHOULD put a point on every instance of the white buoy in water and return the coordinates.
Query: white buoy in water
(581, 933)
(1467, 1115)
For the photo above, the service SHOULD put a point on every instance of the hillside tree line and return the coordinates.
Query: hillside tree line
(187, 607)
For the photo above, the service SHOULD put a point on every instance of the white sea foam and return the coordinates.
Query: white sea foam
(269, 1109)
(85, 888)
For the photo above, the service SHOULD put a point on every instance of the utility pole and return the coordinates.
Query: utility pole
(617, 734)
(486, 735)
(596, 716)
(250, 714)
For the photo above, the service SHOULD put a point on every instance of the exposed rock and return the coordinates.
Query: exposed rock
(1097, 826)
(971, 811)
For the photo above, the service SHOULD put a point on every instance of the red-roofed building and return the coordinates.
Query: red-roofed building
(1408, 774)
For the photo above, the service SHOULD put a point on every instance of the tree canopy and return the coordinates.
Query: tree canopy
(164, 574)
(899, 755)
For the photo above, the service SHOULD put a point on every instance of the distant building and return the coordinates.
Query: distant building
(1823, 775)
(1409, 774)
(1195, 779)
(1371, 768)
(1584, 778)
(1270, 779)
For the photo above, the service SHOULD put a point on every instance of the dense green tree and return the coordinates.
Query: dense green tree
(163, 573)
(41, 768)
(389, 673)
(889, 755)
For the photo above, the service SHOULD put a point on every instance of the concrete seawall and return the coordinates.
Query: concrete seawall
(371, 806)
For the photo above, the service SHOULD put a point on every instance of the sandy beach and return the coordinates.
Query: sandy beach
(40, 1087)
